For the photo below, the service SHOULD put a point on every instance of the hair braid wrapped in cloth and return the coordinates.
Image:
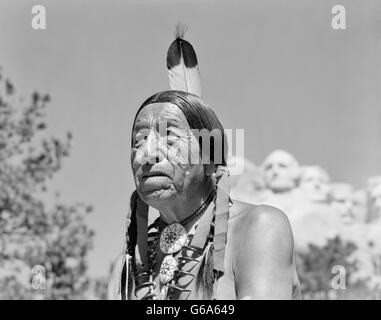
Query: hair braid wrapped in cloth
(131, 233)
(138, 220)
(221, 219)
(131, 236)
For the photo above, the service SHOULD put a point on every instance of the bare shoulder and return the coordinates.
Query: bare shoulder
(258, 215)
(260, 251)
(264, 222)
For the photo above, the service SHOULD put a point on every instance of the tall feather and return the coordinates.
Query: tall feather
(183, 71)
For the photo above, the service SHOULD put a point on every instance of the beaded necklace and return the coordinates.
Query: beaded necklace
(193, 216)
(182, 255)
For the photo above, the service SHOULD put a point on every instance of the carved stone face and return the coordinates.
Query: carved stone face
(375, 199)
(281, 171)
(314, 183)
(360, 205)
(374, 196)
(341, 196)
(374, 182)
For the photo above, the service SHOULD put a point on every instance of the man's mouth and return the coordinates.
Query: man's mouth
(155, 174)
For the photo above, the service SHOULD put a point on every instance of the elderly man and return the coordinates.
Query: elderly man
(204, 245)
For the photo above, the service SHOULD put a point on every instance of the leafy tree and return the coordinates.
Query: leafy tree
(39, 238)
(315, 265)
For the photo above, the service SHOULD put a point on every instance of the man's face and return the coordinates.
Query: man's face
(373, 182)
(314, 183)
(281, 171)
(342, 202)
(163, 146)
(375, 197)
(360, 205)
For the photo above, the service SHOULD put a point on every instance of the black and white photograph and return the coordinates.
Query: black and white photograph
(190, 150)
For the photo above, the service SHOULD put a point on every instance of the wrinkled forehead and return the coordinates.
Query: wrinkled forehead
(161, 112)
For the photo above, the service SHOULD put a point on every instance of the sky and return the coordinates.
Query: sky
(276, 69)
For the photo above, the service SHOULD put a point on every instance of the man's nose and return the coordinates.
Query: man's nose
(152, 152)
(348, 205)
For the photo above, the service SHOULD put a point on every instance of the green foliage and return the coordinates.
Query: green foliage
(32, 230)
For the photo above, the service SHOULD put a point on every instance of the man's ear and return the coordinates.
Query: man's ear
(209, 169)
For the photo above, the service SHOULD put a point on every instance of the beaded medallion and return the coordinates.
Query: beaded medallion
(173, 238)
(167, 269)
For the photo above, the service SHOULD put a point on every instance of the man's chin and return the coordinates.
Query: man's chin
(152, 197)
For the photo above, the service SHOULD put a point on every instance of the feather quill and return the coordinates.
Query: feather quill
(183, 71)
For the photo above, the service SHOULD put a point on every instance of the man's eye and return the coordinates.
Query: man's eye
(139, 139)
(137, 144)
(171, 138)
(170, 133)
